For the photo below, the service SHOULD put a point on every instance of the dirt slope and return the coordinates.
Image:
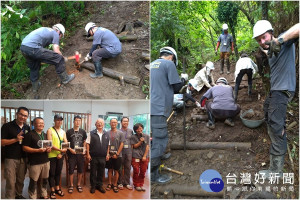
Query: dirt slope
(193, 162)
(108, 15)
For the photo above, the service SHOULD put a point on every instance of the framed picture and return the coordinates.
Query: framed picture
(46, 143)
(65, 145)
(79, 150)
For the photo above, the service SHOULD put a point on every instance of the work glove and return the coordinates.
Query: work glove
(185, 76)
(66, 59)
(216, 52)
(198, 104)
(88, 57)
(273, 48)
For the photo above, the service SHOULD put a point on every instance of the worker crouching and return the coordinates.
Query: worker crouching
(222, 106)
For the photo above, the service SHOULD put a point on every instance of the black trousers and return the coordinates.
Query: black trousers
(34, 57)
(239, 78)
(56, 166)
(97, 171)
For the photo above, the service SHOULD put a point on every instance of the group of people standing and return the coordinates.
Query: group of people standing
(117, 150)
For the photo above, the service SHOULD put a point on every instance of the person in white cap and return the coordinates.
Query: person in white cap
(244, 66)
(110, 46)
(33, 49)
(223, 105)
(281, 58)
(203, 77)
(226, 41)
(164, 82)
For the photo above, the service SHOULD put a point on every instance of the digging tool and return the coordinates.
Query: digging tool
(77, 57)
(172, 113)
(169, 169)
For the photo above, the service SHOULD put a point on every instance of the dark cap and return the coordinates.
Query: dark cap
(57, 117)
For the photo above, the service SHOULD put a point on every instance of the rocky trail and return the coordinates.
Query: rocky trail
(227, 161)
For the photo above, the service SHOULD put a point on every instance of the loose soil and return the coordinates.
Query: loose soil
(194, 162)
(109, 15)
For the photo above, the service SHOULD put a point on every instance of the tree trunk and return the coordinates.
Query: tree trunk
(113, 74)
(264, 9)
(236, 52)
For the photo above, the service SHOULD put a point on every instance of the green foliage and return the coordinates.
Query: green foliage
(18, 19)
(227, 12)
(146, 88)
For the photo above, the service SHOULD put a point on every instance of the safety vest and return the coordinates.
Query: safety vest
(56, 141)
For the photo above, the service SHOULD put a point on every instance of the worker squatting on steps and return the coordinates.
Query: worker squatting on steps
(110, 46)
(222, 106)
(164, 82)
(33, 49)
(226, 41)
(244, 66)
(283, 85)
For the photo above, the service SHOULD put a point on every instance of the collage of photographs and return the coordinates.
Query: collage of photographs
(150, 99)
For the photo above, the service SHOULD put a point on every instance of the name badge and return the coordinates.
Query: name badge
(112, 147)
(137, 160)
(224, 43)
(126, 146)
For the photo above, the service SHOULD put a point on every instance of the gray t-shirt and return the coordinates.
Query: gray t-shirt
(163, 75)
(115, 140)
(222, 97)
(127, 145)
(140, 151)
(283, 70)
(108, 40)
(41, 37)
(225, 41)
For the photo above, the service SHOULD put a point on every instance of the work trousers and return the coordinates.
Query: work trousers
(240, 77)
(14, 174)
(98, 54)
(97, 171)
(126, 166)
(275, 107)
(222, 114)
(34, 57)
(38, 175)
(139, 171)
(160, 138)
(56, 166)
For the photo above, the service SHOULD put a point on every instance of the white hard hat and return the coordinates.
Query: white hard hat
(225, 27)
(61, 28)
(171, 51)
(210, 65)
(261, 27)
(222, 80)
(88, 26)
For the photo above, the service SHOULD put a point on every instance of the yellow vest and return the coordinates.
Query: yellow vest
(56, 142)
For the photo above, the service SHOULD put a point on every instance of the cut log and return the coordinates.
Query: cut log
(121, 38)
(113, 74)
(146, 56)
(188, 190)
(211, 145)
(199, 117)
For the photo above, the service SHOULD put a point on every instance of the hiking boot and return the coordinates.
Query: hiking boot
(36, 86)
(222, 66)
(229, 122)
(210, 125)
(98, 70)
(65, 78)
(227, 65)
(276, 166)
